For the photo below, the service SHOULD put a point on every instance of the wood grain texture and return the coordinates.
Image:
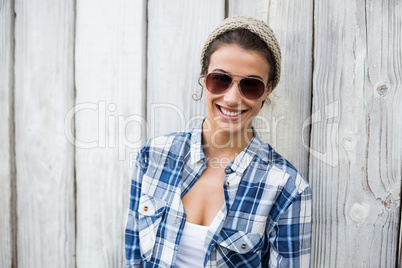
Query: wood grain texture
(400, 242)
(177, 31)
(110, 105)
(351, 103)
(7, 174)
(44, 91)
(282, 121)
(355, 164)
(254, 8)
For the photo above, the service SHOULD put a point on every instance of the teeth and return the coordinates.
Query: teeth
(226, 112)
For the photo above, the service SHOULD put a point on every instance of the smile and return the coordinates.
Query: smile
(231, 113)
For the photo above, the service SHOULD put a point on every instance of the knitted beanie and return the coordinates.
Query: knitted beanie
(259, 28)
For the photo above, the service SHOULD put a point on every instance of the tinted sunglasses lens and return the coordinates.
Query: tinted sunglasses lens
(252, 88)
(218, 83)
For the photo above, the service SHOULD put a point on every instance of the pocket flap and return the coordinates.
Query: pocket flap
(151, 206)
(239, 241)
(150, 211)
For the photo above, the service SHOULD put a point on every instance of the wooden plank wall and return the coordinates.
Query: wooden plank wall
(177, 31)
(7, 172)
(84, 83)
(357, 96)
(44, 91)
(110, 104)
(399, 260)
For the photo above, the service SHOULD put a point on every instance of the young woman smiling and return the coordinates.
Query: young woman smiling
(217, 195)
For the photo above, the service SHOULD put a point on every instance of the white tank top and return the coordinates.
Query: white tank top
(191, 251)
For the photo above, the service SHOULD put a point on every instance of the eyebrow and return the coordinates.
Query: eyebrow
(223, 71)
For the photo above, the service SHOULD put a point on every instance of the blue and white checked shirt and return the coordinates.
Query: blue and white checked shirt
(265, 221)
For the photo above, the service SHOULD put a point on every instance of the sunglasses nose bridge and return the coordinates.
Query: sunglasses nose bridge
(238, 83)
(233, 95)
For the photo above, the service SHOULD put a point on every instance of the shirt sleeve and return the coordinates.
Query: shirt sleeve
(133, 254)
(290, 242)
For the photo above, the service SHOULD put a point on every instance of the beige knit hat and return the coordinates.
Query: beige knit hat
(258, 27)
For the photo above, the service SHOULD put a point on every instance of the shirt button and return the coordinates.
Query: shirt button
(145, 208)
(227, 184)
(228, 170)
(244, 246)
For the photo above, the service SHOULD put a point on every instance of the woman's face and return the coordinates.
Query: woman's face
(231, 112)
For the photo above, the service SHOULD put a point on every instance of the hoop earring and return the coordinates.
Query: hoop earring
(195, 96)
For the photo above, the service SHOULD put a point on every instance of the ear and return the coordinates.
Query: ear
(269, 90)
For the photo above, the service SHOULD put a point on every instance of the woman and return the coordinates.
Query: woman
(217, 195)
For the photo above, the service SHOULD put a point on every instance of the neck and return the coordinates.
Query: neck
(224, 144)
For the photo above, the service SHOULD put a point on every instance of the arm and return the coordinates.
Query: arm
(133, 254)
(290, 241)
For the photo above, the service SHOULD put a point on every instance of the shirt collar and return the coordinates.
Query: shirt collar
(259, 147)
(255, 147)
(197, 154)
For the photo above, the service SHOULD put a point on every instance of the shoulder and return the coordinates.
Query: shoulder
(167, 140)
(280, 171)
(164, 144)
(291, 188)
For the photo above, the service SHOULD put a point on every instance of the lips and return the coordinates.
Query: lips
(233, 113)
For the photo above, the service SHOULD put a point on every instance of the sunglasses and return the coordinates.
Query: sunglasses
(251, 88)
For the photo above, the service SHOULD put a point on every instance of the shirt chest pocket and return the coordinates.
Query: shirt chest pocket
(237, 246)
(150, 213)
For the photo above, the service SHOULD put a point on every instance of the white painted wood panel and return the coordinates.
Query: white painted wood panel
(254, 8)
(355, 151)
(282, 119)
(110, 105)
(177, 31)
(7, 176)
(399, 264)
(355, 164)
(44, 91)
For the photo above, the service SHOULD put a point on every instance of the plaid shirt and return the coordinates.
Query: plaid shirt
(265, 221)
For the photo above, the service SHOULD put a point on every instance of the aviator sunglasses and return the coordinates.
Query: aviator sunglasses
(251, 88)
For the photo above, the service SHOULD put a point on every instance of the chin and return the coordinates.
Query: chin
(231, 128)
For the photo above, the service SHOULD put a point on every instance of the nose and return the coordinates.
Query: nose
(232, 96)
